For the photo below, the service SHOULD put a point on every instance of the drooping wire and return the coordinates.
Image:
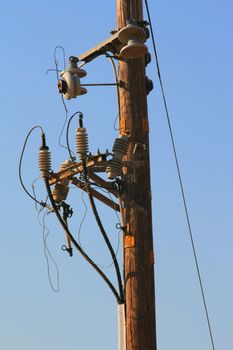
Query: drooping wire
(96, 212)
(78, 247)
(34, 194)
(108, 243)
(47, 253)
(117, 90)
(83, 219)
(180, 177)
(20, 166)
(34, 191)
(118, 223)
(72, 157)
(55, 58)
(62, 98)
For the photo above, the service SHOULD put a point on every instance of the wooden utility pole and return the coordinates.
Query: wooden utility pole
(138, 241)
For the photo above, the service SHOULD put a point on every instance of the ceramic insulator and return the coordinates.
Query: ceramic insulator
(81, 143)
(60, 192)
(64, 166)
(44, 162)
(114, 168)
(120, 148)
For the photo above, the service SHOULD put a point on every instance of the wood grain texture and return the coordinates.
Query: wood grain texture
(138, 264)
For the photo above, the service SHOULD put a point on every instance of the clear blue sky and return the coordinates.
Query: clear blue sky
(194, 42)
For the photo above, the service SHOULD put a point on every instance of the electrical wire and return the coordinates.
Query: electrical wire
(118, 219)
(95, 210)
(34, 192)
(62, 98)
(117, 90)
(79, 235)
(108, 243)
(116, 252)
(180, 178)
(72, 157)
(47, 253)
(83, 219)
(55, 58)
(79, 248)
(20, 166)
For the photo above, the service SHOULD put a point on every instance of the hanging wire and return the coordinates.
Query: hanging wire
(34, 191)
(83, 219)
(79, 235)
(117, 90)
(79, 248)
(108, 243)
(20, 166)
(180, 177)
(55, 58)
(56, 62)
(47, 253)
(72, 157)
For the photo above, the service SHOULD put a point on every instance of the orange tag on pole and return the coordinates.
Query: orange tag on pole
(129, 241)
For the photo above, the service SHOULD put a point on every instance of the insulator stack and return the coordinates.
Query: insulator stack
(64, 166)
(82, 143)
(44, 162)
(120, 148)
(60, 192)
(61, 189)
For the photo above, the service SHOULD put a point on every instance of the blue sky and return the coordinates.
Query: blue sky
(194, 42)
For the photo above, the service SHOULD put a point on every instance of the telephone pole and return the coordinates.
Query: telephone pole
(138, 239)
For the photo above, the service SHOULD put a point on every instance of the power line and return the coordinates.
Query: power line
(20, 165)
(78, 247)
(108, 243)
(180, 178)
(47, 253)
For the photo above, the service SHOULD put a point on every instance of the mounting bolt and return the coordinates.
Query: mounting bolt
(147, 58)
(149, 85)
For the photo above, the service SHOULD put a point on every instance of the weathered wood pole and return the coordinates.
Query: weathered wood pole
(138, 240)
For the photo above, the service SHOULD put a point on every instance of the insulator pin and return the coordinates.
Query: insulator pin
(44, 162)
(82, 143)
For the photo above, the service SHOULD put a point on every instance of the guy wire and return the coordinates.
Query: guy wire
(180, 178)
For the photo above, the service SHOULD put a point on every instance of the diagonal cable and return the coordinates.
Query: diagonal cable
(180, 180)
